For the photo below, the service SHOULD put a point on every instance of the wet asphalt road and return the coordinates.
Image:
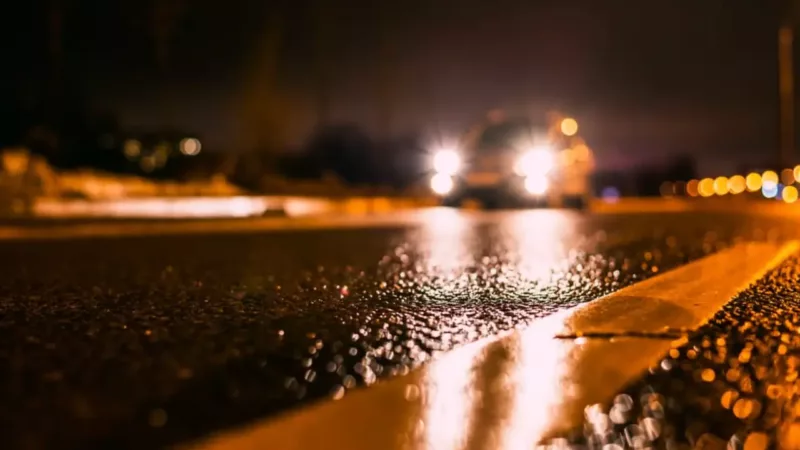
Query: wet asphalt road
(140, 342)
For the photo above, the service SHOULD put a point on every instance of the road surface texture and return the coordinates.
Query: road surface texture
(734, 384)
(146, 341)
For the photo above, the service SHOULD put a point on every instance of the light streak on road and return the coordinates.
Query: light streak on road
(187, 207)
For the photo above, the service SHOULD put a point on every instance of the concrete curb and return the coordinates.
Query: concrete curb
(517, 390)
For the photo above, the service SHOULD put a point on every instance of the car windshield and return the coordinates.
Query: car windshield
(508, 134)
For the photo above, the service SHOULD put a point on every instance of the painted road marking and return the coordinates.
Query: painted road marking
(681, 299)
(516, 390)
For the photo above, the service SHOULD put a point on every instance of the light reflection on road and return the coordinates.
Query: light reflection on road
(542, 241)
(533, 243)
(446, 234)
(449, 398)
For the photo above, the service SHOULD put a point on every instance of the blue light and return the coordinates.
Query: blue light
(769, 189)
(610, 194)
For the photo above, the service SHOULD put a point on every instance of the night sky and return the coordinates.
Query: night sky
(646, 79)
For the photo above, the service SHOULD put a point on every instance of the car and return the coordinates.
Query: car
(518, 161)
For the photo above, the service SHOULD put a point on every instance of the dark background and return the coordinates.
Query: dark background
(649, 82)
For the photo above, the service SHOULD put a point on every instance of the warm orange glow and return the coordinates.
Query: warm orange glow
(667, 189)
(706, 187)
(769, 177)
(538, 380)
(569, 126)
(753, 182)
(789, 194)
(132, 149)
(796, 172)
(691, 188)
(174, 207)
(445, 232)
(449, 388)
(679, 188)
(582, 152)
(787, 176)
(148, 163)
(540, 251)
(721, 185)
(736, 184)
(190, 146)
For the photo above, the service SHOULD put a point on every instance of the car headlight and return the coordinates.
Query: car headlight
(446, 162)
(441, 184)
(540, 160)
(537, 184)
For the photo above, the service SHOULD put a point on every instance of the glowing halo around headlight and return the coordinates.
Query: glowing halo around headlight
(537, 184)
(540, 160)
(446, 161)
(441, 184)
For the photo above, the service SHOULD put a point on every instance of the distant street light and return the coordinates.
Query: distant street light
(753, 182)
(569, 126)
(190, 146)
(132, 149)
(789, 194)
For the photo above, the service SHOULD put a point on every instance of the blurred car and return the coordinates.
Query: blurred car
(519, 161)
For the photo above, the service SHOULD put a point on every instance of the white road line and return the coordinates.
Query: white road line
(513, 391)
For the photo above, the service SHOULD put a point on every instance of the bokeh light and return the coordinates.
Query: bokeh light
(769, 189)
(610, 194)
(190, 146)
(446, 162)
(582, 153)
(692, 188)
(679, 187)
(148, 163)
(706, 187)
(536, 185)
(789, 194)
(132, 149)
(769, 177)
(736, 184)
(537, 161)
(667, 189)
(569, 126)
(753, 182)
(721, 185)
(441, 184)
(787, 176)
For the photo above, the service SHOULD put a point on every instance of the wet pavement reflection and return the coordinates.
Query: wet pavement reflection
(516, 391)
(733, 384)
(154, 340)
